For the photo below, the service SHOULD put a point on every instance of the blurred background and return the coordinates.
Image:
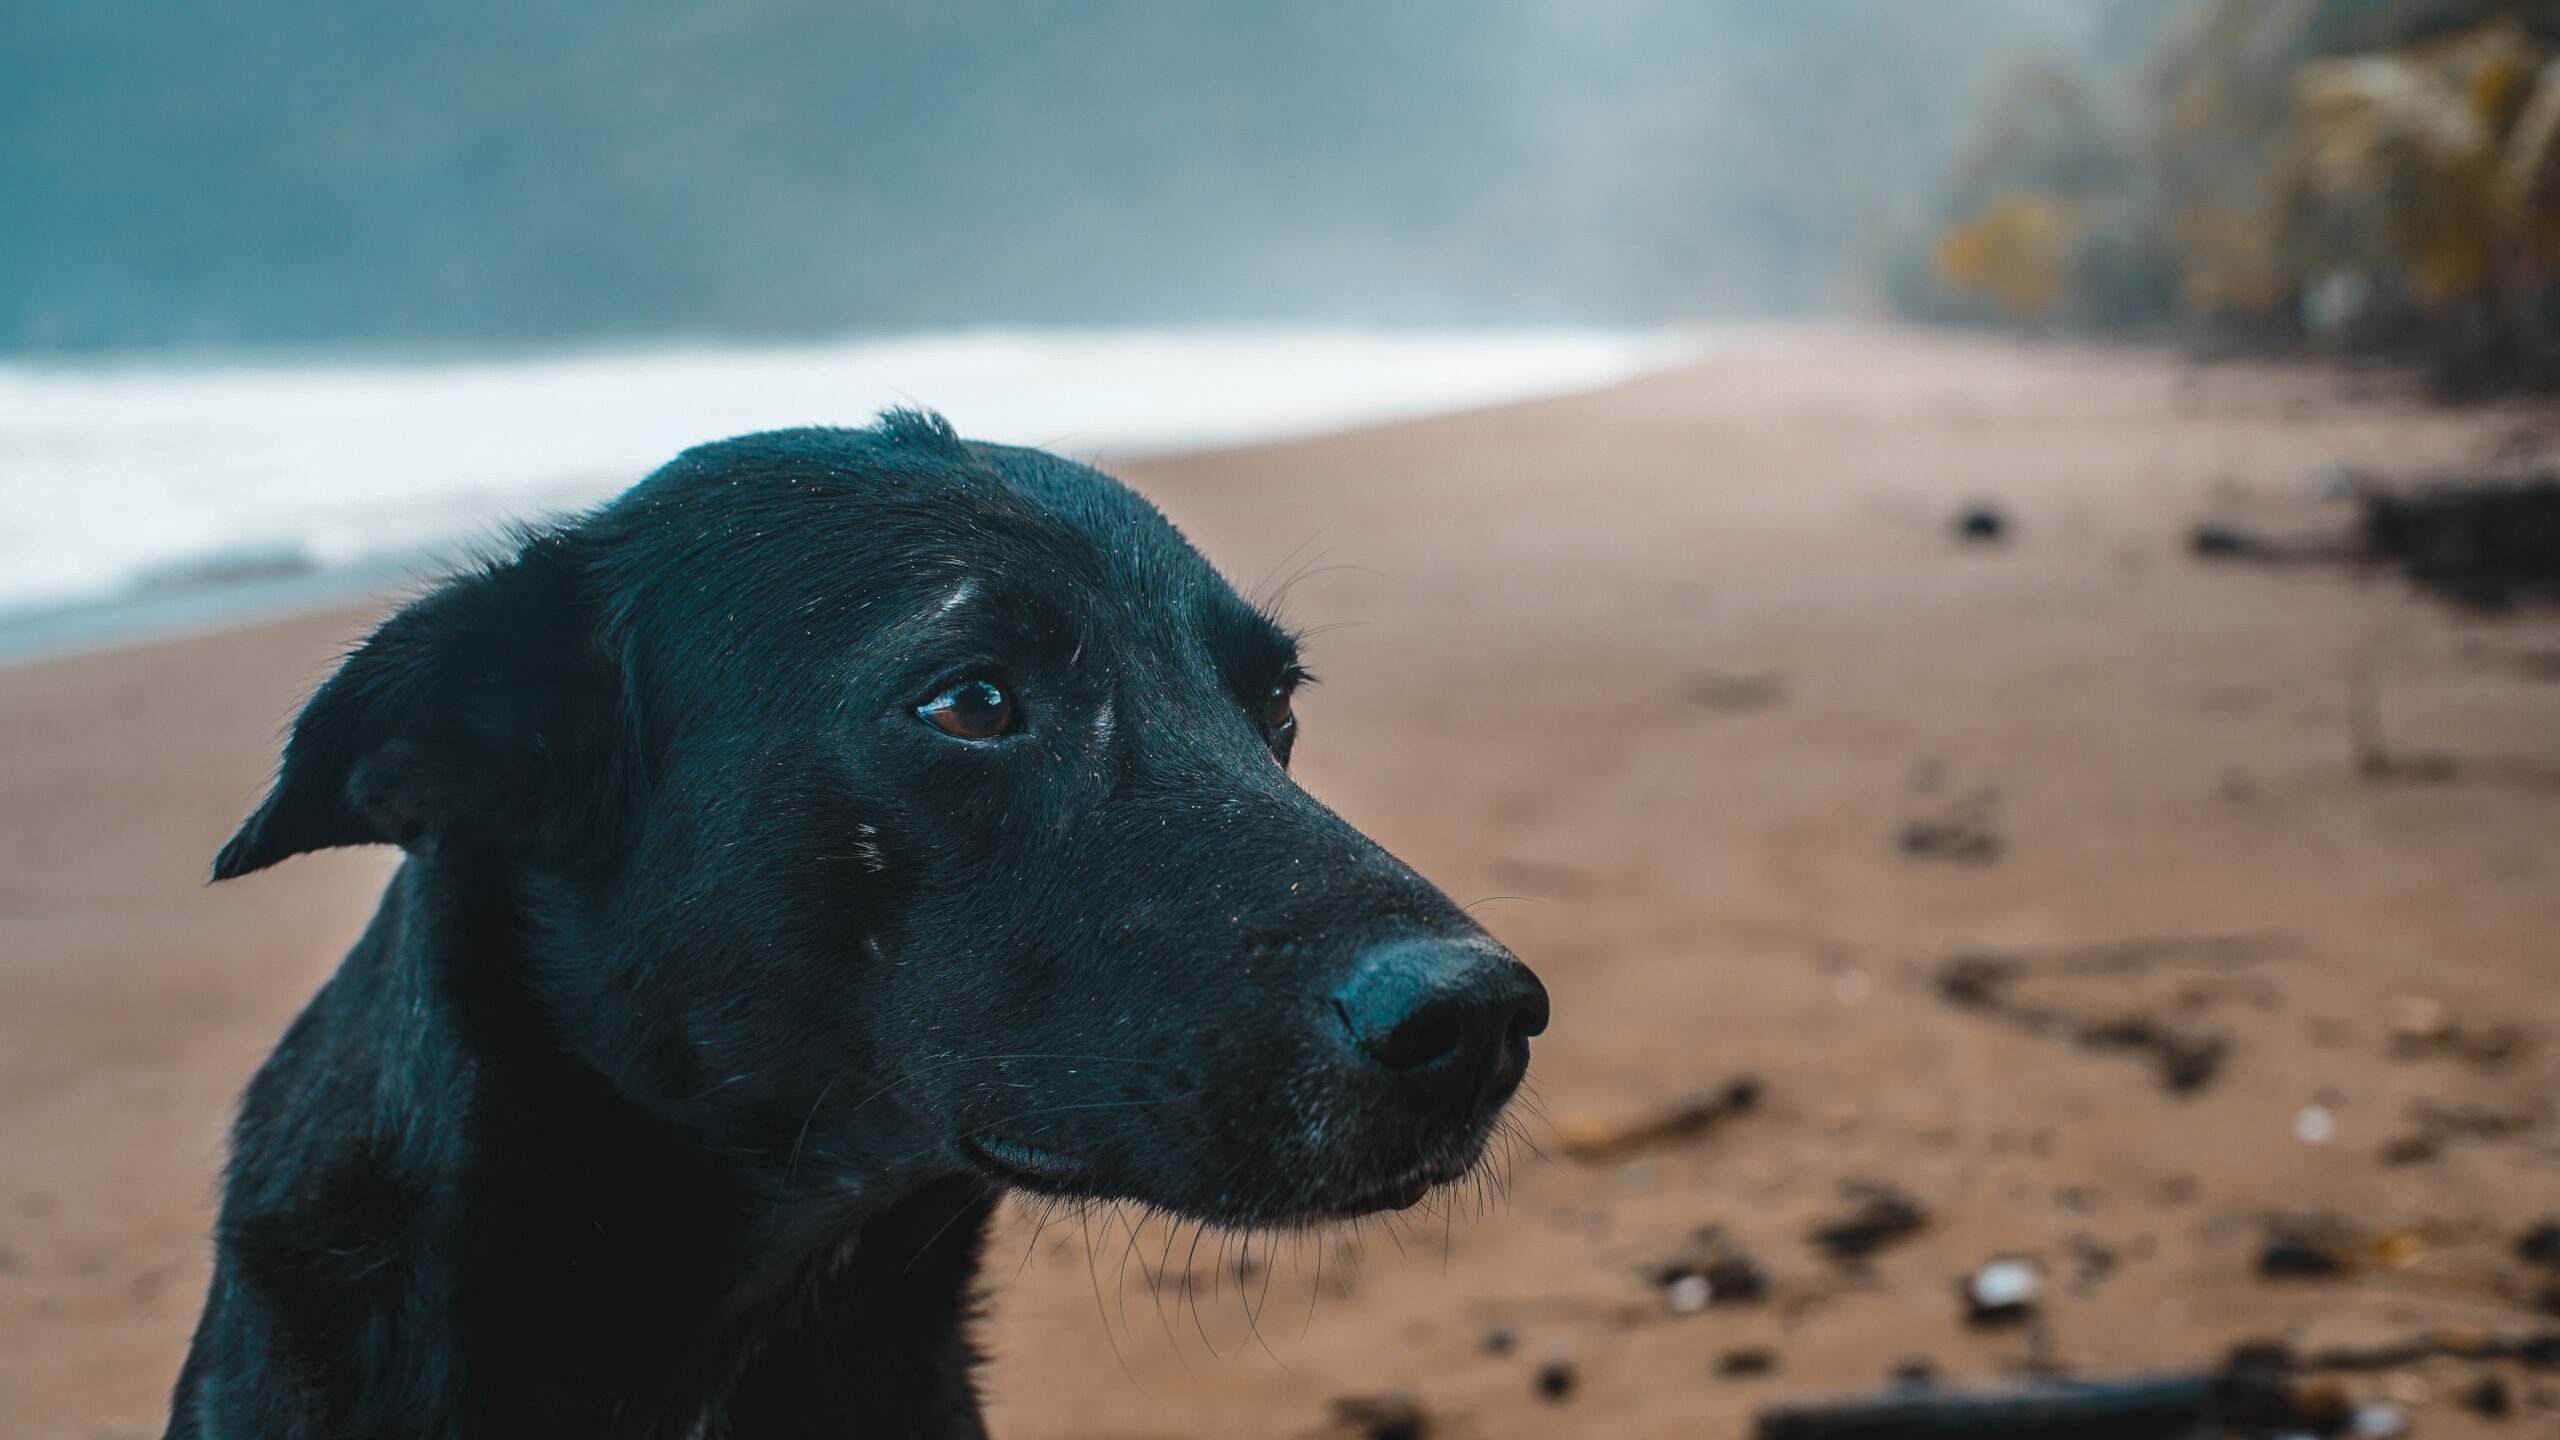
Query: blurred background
(302, 172)
(1968, 580)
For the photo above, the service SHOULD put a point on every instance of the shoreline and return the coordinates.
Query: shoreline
(179, 614)
(152, 497)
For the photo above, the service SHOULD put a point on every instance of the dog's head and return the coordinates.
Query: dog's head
(873, 802)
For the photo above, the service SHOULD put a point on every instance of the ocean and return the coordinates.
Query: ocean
(142, 496)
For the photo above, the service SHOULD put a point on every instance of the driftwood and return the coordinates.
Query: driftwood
(2258, 1388)
(1682, 1120)
(2486, 543)
(2131, 1407)
(2186, 1060)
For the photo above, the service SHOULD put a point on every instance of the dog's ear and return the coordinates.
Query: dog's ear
(486, 709)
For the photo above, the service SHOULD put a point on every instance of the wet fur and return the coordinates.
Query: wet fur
(648, 1103)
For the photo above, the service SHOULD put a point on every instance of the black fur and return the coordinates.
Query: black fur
(721, 993)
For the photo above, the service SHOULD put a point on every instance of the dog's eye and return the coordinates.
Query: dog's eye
(1280, 720)
(970, 710)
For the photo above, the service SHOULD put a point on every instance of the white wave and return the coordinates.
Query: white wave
(133, 478)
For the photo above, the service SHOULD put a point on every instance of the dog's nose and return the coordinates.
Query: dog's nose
(1450, 1020)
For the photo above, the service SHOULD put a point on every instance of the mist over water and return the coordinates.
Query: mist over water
(281, 171)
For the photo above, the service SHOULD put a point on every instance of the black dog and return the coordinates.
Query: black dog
(840, 828)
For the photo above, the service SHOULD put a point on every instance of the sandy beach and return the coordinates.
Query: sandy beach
(1666, 676)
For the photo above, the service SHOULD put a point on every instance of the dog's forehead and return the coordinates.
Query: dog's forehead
(1086, 519)
(851, 531)
(1090, 548)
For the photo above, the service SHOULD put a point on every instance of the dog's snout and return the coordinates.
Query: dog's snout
(1449, 1019)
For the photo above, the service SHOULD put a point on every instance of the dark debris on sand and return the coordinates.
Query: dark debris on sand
(2488, 543)
(1750, 1362)
(1379, 1417)
(1878, 1214)
(2306, 1245)
(2540, 1245)
(1684, 1119)
(2260, 1389)
(1729, 1274)
(1981, 523)
(2186, 1059)
(1963, 830)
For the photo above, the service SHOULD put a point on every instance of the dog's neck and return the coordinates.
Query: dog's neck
(587, 1266)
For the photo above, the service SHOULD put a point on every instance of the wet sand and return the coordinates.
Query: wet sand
(1663, 675)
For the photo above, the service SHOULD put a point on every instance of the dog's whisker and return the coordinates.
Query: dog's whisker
(1388, 1224)
(791, 1165)
(957, 1212)
(1261, 586)
(1155, 1292)
(1045, 1206)
(1271, 598)
(1084, 1226)
(1253, 1309)
(1120, 1277)
(1189, 1270)
(1282, 595)
(1218, 1266)
(1315, 1291)
(716, 1087)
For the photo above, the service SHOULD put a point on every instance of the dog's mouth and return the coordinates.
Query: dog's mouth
(1049, 1172)
(1025, 1167)
(1402, 1193)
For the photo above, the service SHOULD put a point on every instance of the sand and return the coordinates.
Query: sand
(1676, 665)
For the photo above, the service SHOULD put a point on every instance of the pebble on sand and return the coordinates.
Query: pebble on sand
(2003, 1292)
